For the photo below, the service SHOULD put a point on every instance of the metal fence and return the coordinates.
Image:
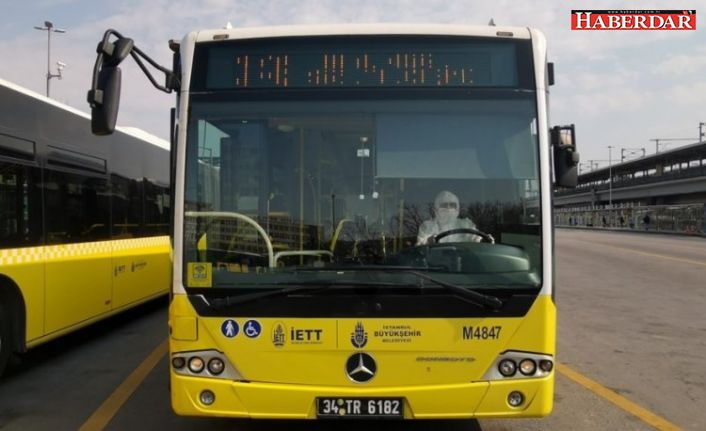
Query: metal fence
(688, 219)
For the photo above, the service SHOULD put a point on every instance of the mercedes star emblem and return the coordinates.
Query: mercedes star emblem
(361, 367)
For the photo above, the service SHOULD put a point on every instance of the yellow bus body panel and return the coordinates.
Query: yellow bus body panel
(25, 268)
(78, 283)
(65, 287)
(141, 268)
(427, 361)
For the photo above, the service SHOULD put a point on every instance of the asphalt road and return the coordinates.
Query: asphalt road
(631, 320)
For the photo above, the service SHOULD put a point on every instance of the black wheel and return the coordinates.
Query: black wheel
(5, 338)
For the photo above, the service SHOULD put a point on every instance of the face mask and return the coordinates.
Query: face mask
(446, 215)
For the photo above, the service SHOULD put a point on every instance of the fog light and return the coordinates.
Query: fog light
(216, 366)
(507, 367)
(515, 399)
(546, 365)
(207, 397)
(178, 362)
(196, 364)
(528, 367)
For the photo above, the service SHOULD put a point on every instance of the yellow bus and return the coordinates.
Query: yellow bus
(84, 220)
(362, 220)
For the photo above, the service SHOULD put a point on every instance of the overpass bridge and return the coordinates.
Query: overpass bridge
(668, 178)
(663, 191)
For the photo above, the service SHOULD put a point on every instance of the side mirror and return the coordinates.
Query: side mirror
(116, 52)
(566, 159)
(105, 101)
(104, 95)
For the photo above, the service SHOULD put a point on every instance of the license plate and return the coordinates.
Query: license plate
(330, 407)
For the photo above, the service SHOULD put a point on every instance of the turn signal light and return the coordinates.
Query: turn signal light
(528, 367)
(196, 364)
(546, 365)
(178, 362)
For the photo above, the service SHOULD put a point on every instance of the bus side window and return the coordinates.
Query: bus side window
(126, 209)
(156, 209)
(20, 206)
(79, 207)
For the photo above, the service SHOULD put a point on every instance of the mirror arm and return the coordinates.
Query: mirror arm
(171, 79)
(150, 61)
(136, 56)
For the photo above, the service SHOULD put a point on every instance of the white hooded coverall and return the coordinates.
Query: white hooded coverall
(446, 209)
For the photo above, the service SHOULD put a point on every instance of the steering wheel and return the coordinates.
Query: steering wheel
(467, 230)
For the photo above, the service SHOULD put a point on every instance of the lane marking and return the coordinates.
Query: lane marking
(643, 414)
(661, 256)
(100, 418)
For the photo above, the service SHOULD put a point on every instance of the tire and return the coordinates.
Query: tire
(5, 338)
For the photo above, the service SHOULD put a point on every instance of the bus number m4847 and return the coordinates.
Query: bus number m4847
(481, 332)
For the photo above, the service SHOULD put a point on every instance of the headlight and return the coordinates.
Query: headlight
(519, 365)
(204, 363)
(216, 366)
(507, 367)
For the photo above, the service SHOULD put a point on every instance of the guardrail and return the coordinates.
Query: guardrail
(683, 219)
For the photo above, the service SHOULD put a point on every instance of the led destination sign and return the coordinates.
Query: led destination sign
(353, 63)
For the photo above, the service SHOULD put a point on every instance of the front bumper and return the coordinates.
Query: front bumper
(282, 401)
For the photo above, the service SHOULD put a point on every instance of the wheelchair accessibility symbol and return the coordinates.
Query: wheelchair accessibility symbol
(252, 329)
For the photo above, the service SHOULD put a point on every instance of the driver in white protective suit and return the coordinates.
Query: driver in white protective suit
(446, 209)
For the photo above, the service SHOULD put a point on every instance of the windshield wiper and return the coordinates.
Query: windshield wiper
(302, 286)
(351, 267)
(475, 297)
(227, 301)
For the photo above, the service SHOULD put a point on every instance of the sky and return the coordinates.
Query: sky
(620, 88)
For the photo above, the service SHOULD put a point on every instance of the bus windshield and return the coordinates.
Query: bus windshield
(275, 187)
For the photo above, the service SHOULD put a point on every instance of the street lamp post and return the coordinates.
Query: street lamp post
(610, 182)
(49, 28)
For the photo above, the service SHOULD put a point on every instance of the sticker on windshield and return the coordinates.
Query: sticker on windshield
(198, 274)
